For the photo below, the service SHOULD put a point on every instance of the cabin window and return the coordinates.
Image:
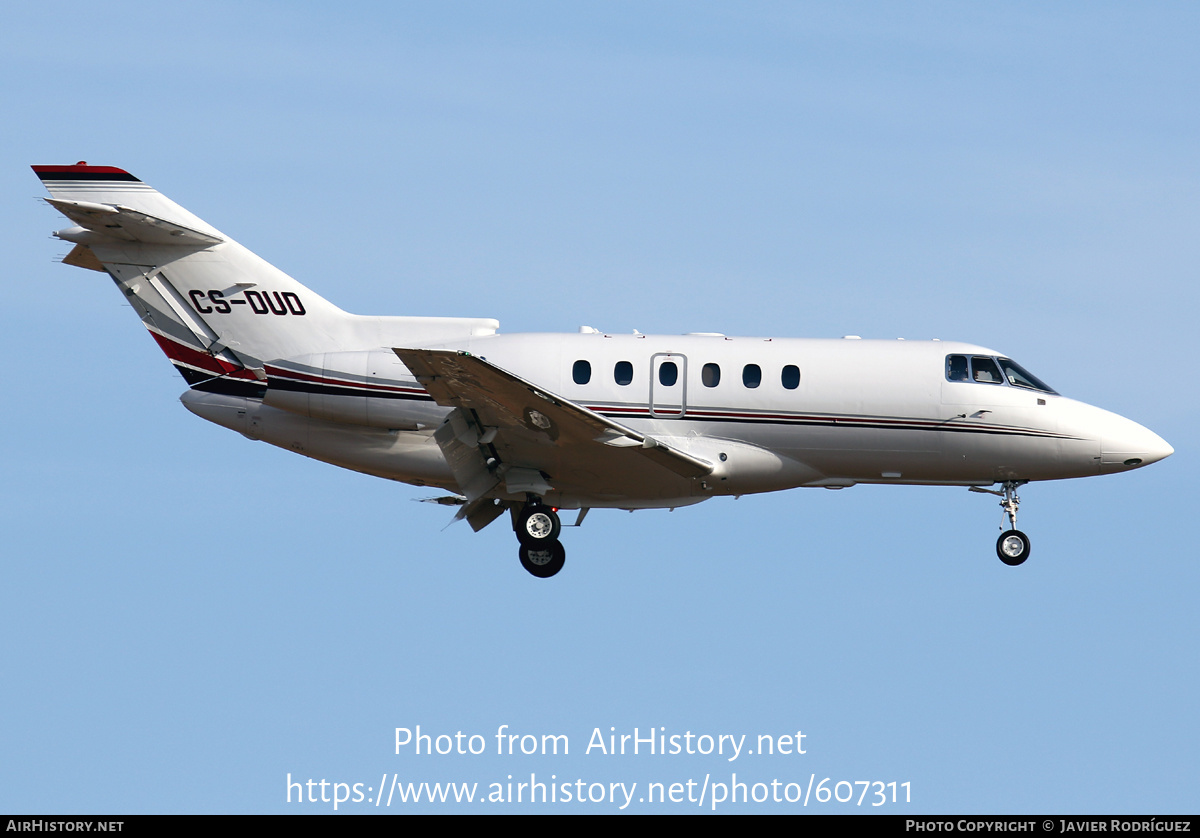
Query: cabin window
(623, 373)
(582, 372)
(985, 371)
(710, 375)
(956, 368)
(668, 374)
(790, 377)
(752, 375)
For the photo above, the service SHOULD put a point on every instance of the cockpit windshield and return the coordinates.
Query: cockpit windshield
(1018, 376)
(985, 369)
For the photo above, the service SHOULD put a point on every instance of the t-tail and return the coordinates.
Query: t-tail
(218, 311)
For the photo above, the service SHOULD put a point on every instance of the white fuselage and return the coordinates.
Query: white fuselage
(847, 411)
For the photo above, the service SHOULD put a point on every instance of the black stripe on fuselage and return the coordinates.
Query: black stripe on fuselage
(328, 390)
(848, 422)
(237, 387)
(205, 382)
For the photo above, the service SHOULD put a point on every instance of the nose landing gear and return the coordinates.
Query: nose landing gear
(538, 528)
(1013, 545)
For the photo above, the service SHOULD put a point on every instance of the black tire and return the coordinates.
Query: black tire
(544, 560)
(537, 525)
(1012, 547)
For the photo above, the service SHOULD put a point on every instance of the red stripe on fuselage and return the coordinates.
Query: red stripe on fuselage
(177, 351)
(280, 372)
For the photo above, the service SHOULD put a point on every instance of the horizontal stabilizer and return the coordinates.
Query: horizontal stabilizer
(81, 256)
(114, 221)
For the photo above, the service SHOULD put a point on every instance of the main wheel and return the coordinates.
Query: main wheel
(1013, 547)
(537, 525)
(544, 560)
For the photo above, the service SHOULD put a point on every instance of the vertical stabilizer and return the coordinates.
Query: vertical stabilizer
(217, 310)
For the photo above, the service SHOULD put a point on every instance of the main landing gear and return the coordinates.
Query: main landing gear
(537, 528)
(1013, 545)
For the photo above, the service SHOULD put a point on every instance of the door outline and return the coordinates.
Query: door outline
(673, 408)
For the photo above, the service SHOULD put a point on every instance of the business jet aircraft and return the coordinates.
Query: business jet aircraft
(534, 423)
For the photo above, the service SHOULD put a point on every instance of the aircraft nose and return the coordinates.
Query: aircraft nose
(1128, 445)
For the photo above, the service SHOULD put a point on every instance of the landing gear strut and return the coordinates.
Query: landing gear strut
(1013, 545)
(537, 528)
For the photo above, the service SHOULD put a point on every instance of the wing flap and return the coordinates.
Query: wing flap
(534, 429)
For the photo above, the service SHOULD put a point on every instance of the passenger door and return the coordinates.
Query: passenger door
(668, 385)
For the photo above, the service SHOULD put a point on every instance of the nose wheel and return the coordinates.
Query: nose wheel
(1013, 545)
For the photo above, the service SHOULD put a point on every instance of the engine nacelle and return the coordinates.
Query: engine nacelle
(740, 467)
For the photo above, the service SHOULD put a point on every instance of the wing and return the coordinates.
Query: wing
(539, 442)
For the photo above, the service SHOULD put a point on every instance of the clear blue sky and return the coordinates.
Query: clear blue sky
(190, 616)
